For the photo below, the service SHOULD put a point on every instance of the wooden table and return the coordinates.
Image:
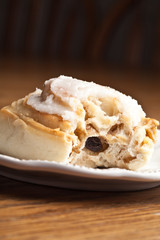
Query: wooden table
(29, 211)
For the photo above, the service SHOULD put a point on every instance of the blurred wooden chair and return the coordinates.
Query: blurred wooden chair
(121, 33)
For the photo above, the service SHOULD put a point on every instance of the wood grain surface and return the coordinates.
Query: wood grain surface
(29, 211)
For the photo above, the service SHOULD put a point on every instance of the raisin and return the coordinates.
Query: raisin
(94, 144)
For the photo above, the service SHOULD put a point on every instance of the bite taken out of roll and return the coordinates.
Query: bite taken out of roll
(78, 122)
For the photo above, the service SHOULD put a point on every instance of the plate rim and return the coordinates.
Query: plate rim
(68, 169)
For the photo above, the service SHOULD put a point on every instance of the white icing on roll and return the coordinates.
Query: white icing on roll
(64, 96)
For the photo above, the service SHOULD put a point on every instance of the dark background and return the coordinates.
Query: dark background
(115, 33)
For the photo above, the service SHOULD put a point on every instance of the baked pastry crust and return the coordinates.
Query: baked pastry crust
(94, 131)
(24, 138)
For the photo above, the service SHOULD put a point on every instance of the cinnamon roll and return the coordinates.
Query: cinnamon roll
(80, 123)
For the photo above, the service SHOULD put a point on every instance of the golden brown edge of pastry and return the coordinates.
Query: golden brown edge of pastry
(32, 135)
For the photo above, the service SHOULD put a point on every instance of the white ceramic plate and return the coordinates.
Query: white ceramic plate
(75, 177)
